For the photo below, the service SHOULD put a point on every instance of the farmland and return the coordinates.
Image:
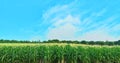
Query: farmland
(58, 53)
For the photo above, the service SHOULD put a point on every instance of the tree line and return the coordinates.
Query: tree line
(65, 41)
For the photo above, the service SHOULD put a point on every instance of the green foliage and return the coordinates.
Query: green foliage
(110, 43)
(59, 54)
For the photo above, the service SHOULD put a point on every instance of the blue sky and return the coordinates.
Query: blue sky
(64, 19)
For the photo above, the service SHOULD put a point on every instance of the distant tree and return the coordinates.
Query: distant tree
(91, 42)
(118, 41)
(83, 42)
(53, 41)
(101, 42)
(77, 42)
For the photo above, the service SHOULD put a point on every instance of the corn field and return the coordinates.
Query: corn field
(59, 54)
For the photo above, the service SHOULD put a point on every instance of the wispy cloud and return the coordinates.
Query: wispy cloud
(95, 35)
(64, 28)
(66, 22)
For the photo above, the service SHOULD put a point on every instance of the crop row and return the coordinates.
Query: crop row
(59, 54)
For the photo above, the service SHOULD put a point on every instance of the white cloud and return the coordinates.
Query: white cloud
(66, 31)
(66, 25)
(97, 35)
(57, 9)
(68, 19)
(64, 28)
